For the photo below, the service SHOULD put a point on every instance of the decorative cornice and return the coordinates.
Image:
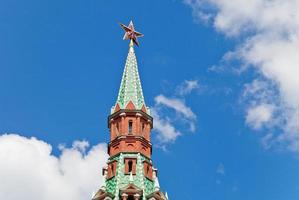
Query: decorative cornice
(138, 114)
(130, 112)
(130, 138)
(123, 114)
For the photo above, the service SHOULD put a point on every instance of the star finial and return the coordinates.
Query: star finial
(130, 33)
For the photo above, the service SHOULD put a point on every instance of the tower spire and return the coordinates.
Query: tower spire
(130, 173)
(130, 91)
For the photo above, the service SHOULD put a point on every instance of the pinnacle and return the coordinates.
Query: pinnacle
(130, 87)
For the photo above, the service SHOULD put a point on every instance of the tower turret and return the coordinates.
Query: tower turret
(130, 174)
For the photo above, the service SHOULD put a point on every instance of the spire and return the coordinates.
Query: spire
(130, 87)
(129, 173)
(130, 91)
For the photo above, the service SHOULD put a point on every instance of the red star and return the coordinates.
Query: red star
(130, 33)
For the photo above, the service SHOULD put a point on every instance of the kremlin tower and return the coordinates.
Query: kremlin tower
(130, 174)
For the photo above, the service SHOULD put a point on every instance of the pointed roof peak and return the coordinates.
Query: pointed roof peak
(130, 95)
(130, 90)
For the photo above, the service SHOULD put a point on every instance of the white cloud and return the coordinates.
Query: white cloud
(171, 114)
(268, 36)
(165, 126)
(198, 10)
(177, 104)
(259, 115)
(187, 87)
(81, 145)
(28, 170)
(167, 131)
(236, 17)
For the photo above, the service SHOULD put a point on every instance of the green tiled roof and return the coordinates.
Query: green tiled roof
(130, 87)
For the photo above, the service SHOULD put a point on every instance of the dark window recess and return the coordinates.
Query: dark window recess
(112, 170)
(147, 170)
(130, 127)
(130, 197)
(117, 126)
(130, 166)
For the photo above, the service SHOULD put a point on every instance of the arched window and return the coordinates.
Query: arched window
(147, 170)
(130, 166)
(130, 127)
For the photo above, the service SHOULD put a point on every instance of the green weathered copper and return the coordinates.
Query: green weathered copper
(130, 87)
(121, 180)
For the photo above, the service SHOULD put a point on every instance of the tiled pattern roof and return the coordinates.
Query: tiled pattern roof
(130, 87)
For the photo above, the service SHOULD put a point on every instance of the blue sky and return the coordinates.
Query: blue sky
(61, 65)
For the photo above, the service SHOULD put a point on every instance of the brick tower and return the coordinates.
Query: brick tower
(130, 174)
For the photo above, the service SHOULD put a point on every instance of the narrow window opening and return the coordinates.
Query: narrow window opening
(130, 127)
(130, 166)
(112, 170)
(147, 170)
(117, 127)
